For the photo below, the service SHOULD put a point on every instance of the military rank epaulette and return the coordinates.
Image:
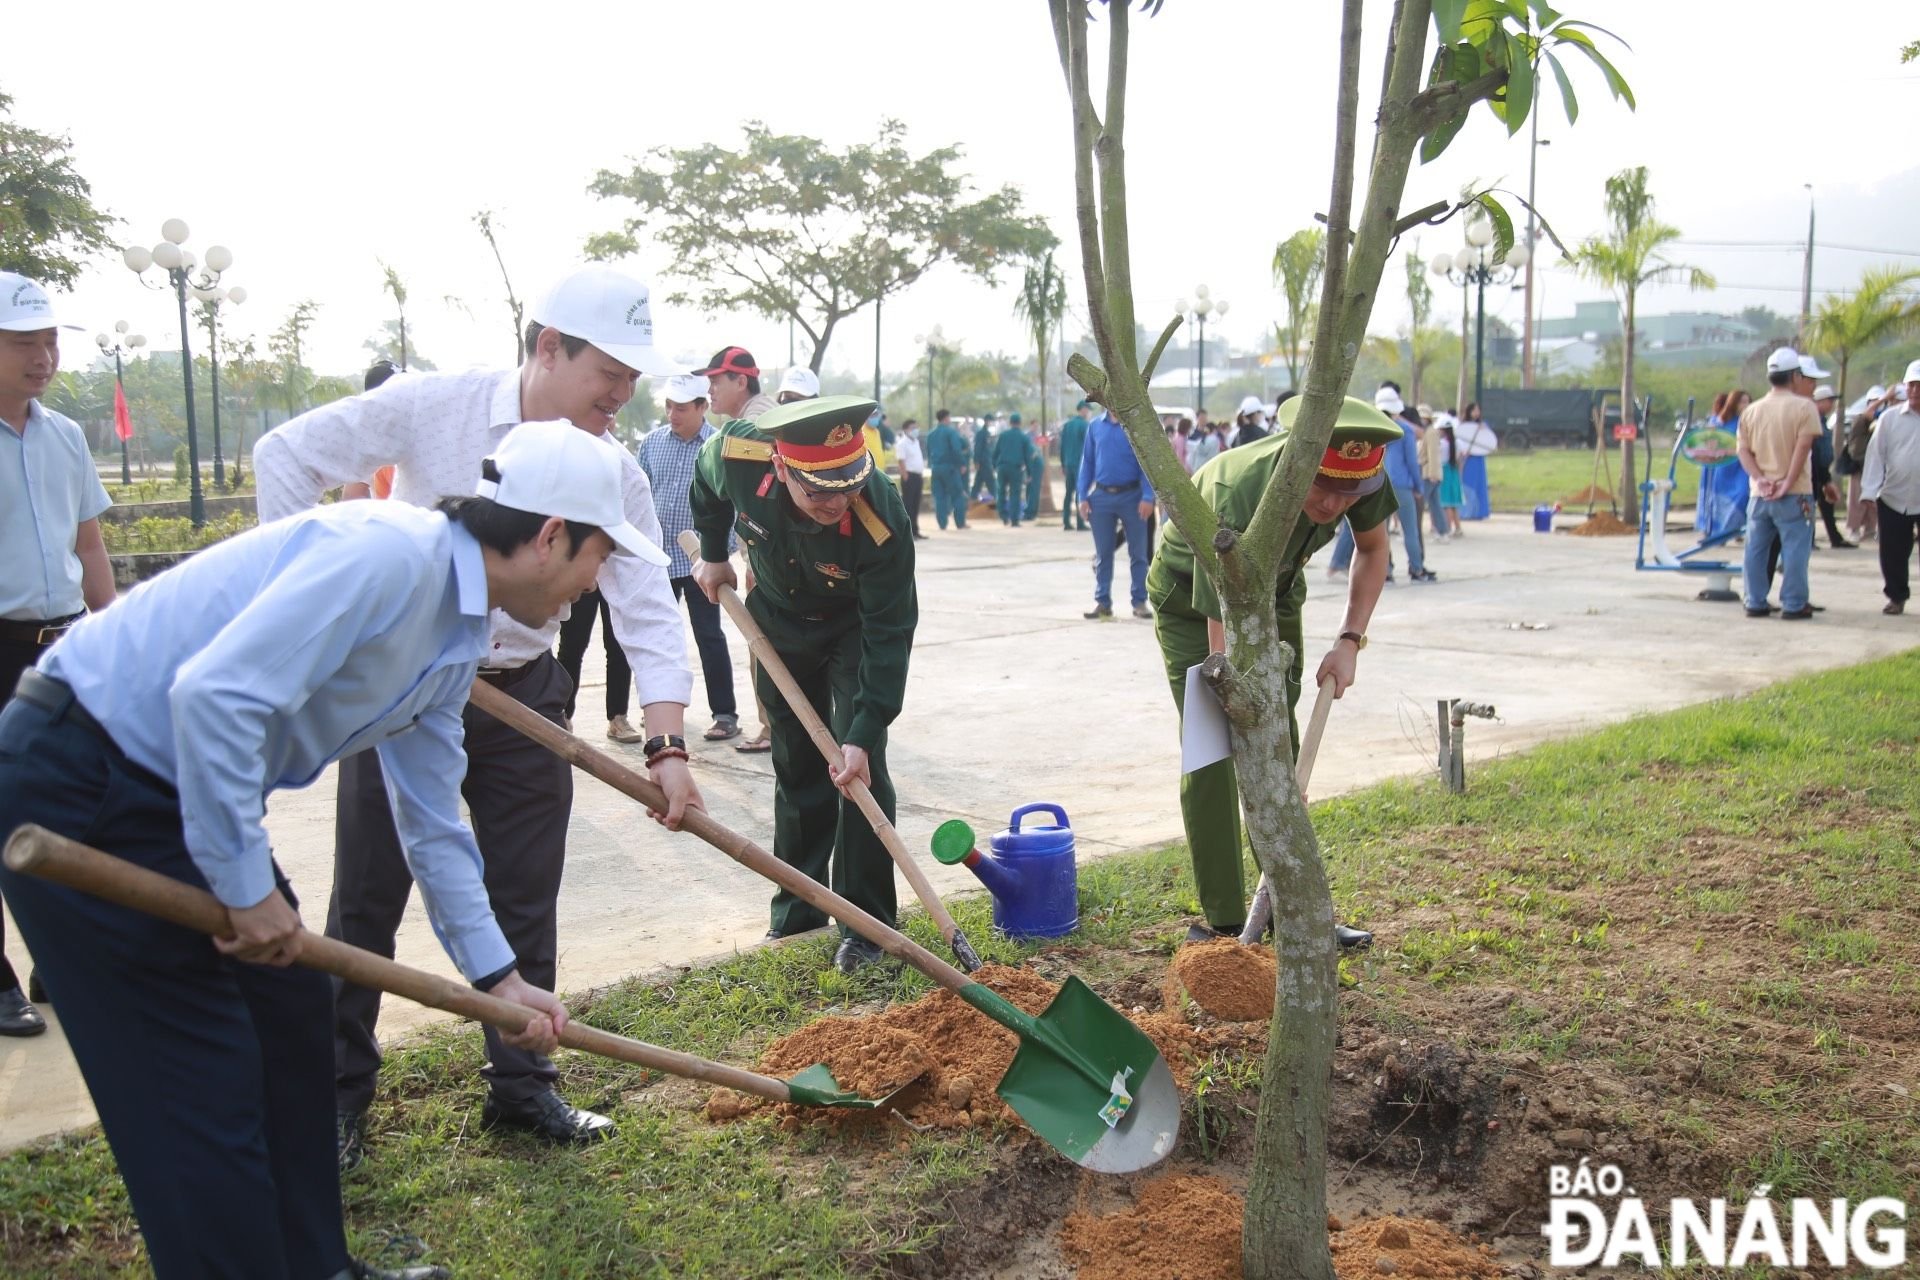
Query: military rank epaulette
(746, 449)
(870, 520)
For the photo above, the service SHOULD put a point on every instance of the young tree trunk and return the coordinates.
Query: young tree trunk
(1629, 492)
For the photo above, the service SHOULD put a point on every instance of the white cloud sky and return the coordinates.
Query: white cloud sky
(313, 141)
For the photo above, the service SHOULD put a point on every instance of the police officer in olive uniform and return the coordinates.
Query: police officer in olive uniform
(1187, 615)
(831, 549)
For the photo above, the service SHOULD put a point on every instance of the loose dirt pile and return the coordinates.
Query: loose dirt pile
(1180, 1227)
(1187, 1227)
(1592, 493)
(1603, 524)
(1232, 982)
(1375, 1247)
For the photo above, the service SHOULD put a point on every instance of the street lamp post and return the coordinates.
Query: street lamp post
(210, 301)
(121, 343)
(179, 263)
(1477, 266)
(1526, 337)
(1204, 305)
(935, 341)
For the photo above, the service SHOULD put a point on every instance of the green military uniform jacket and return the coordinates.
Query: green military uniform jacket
(1073, 442)
(807, 574)
(1013, 448)
(945, 449)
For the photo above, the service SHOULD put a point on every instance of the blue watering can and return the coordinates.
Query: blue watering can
(1030, 872)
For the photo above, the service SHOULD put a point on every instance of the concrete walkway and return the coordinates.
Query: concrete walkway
(1014, 698)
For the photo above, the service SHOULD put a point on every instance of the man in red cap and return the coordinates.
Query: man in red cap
(733, 381)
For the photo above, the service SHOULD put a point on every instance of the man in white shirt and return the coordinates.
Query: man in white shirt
(159, 730)
(1890, 479)
(589, 341)
(913, 473)
(53, 565)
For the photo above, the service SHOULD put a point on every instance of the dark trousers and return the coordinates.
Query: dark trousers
(574, 634)
(210, 1076)
(813, 826)
(950, 496)
(519, 795)
(14, 658)
(1011, 504)
(911, 485)
(1897, 531)
(1070, 516)
(711, 641)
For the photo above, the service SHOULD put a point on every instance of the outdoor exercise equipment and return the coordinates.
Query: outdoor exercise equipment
(1709, 446)
(770, 662)
(34, 850)
(1030, 871)
(1085, 1079)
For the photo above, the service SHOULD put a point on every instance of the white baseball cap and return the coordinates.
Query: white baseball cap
(556, 469)
(1252, 404)
(611, 310)
(685, 388)
(799, 380)
(25, 306)
(1823, 392)
(1809, 367)
(1913, 372)
(1784, 360)
(1387, 400)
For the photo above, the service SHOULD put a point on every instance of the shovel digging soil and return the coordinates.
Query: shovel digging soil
(1085, 1079)
(37, 851)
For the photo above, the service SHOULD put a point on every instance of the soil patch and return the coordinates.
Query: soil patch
(1592, 493)
(1232, 982)
(1603, 524)
(1179, 1227)
(1374, 1247)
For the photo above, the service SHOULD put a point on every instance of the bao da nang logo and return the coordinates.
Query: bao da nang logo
(1581, 1231)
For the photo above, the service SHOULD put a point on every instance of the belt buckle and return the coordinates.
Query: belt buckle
(55, 631)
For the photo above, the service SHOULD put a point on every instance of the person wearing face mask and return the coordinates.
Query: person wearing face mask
(1187, 616)
(589, 340)
(828, 541)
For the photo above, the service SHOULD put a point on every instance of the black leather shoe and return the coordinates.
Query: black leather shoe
(349, 1139)
(548, 1115)
(35, 991)
(1352, 939)
(1760, 613)
(1099, 611)
(1799, 615)
(856, 954)
(18, 1017)
(358, 1270)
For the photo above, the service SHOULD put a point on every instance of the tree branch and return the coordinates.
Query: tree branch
(1070, 34)
(1440, 103)
(1422, 217)
(1111, 151)
(1153, 357)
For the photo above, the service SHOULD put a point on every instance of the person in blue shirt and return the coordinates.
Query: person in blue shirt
(159, 729)
(947, 460)
(1013, 453)
(1403, 473)
(1115, 495)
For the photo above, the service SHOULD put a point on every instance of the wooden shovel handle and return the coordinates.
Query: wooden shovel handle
(742, 850)
(1261, 909)
(34, 850)
(762, 649)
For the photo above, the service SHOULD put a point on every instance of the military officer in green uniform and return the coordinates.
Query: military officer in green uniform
(831, 549)
(1073, 442)
(1013, 452)
(1351, 482)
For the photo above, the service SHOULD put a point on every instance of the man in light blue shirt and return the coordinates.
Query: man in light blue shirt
(52, 561)
(1403, 473)
(1115, 494)
(158, 730)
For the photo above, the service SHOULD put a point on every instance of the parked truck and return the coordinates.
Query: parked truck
(1527, 419)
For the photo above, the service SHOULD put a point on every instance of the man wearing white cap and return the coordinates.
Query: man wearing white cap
(798, 383)
(1850, 454)
(589, 341)
(53, 565)
(1825, 493)
(159, 730)
(668, 457)
(1776, 435)
(1890, 479)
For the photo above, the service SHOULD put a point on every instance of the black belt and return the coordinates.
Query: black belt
(1117, 488)
(55, 697)
(37, 633)
(506, 677)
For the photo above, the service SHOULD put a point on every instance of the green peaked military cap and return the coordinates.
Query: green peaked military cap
(1356, 456)
(823, 440)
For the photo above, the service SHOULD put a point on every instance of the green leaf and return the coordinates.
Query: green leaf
(1567, 99)
(1616, 82)
(1519, 98)
(1436, 142)
(1544, 15)
(1502, 225)
(1572, 24)
(1447, 15)
(1466, 62)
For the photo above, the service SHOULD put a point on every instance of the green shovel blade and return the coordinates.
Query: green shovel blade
(816, 1087)
(1062, 1081)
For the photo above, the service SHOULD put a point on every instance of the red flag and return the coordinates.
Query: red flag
(122, 420)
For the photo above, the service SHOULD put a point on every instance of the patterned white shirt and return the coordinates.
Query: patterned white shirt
(668, 461)
(434, 428)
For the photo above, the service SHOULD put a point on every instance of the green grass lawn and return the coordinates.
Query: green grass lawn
(1708, 917)
(1518, 482)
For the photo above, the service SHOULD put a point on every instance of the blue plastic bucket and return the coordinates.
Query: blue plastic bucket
(1543, 519)
(1045, 897)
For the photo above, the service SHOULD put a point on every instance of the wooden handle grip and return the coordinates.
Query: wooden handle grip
(36, 851)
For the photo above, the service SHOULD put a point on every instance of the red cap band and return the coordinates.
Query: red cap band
(1354, 460)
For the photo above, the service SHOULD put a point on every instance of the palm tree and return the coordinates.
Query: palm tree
(1041, 304)
(1627, 258)
(1886, 305)
(1297, 263)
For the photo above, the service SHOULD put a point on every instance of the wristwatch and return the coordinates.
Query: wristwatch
(1359, 639)
(663, 742)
